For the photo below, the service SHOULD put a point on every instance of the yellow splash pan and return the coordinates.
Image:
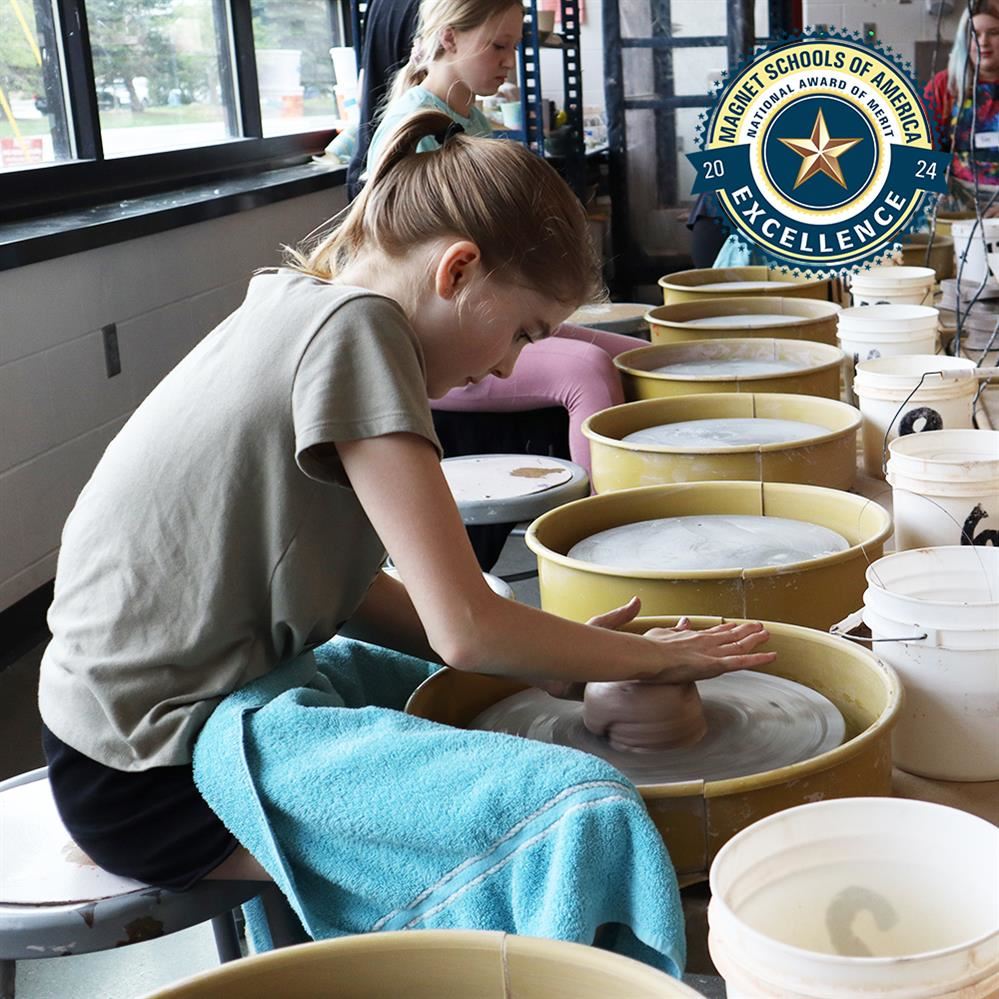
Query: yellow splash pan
(817, 593)
(823, 459)
(696, 818)
(431, 964)
(816, 371)
(813, 320)
(686, 286)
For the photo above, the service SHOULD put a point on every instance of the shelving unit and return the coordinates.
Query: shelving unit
(571, 163)
(660, 154)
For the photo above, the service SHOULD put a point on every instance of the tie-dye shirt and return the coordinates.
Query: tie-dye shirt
(955, 129)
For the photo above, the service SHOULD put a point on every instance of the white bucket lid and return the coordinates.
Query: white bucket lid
(894, 277)
(962, 457)
(962, 228)
(914, 336)
(887, 377)
(953, 590)
(888, 318)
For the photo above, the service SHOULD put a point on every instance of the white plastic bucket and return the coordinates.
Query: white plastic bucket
(871, 331)
(945, 488)
(948, 728)
(858, 897)
(867, 332)
(893, 286)
(974, 241)
(891, 403)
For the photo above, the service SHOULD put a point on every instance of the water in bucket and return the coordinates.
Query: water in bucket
(887, 907)
(855, 898)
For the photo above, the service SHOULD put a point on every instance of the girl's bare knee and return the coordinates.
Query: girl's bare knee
(240, 865)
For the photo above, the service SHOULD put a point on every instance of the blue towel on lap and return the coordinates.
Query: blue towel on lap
(369, 819)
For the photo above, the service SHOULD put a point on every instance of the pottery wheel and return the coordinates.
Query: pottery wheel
(725, 367)
(756, 722)
(744, 285)
(746, 319)
(729, 431)
(712, 541)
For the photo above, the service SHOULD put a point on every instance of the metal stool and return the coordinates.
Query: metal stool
(614, 317)
(508, 488)
(54, 901)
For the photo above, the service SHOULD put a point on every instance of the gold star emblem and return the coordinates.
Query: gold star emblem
(820, 153)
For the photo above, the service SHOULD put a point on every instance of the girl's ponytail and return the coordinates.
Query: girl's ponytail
(412, 74)
(324, 252)
(528, 225)
(406, 138)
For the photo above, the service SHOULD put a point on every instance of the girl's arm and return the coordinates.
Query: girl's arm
(387, 617)
(399, 482)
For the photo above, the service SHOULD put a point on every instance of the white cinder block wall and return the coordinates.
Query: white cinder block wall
(899, 25)
(58, 408)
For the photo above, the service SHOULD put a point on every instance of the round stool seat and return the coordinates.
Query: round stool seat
(508, 488)
(55, 901)
(614, 317)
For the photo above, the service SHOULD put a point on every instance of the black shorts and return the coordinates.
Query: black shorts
(151, 825)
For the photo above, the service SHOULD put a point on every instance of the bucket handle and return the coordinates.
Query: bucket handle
(981, 374)
(843, 628)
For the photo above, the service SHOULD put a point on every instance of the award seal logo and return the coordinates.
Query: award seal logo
(820, 153)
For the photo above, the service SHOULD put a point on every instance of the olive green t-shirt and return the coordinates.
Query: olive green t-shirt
(207, 547)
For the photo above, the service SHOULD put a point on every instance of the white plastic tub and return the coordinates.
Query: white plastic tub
(893, 286)
(942, 606)
(945, 488)
(973, 242)
(908, 394)
(858, 898)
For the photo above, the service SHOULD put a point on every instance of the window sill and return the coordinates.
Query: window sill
(74, 231)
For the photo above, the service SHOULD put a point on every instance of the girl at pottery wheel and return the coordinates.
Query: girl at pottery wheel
(197, 726)
(465, 48)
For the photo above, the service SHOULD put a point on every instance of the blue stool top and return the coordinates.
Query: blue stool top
(508, 488)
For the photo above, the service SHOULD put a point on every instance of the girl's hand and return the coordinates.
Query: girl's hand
(613, 619)
(698, 655)
(571, 690)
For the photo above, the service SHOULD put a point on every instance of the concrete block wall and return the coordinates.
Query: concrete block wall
(58, 408)
(899, 24)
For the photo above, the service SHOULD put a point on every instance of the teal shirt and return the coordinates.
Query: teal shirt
(419, 99)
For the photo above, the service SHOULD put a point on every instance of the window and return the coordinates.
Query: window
(33, 126)
(293, 40)
(152, 94)
(159, 67)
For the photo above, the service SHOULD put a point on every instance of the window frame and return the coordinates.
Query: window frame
(91, 180)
